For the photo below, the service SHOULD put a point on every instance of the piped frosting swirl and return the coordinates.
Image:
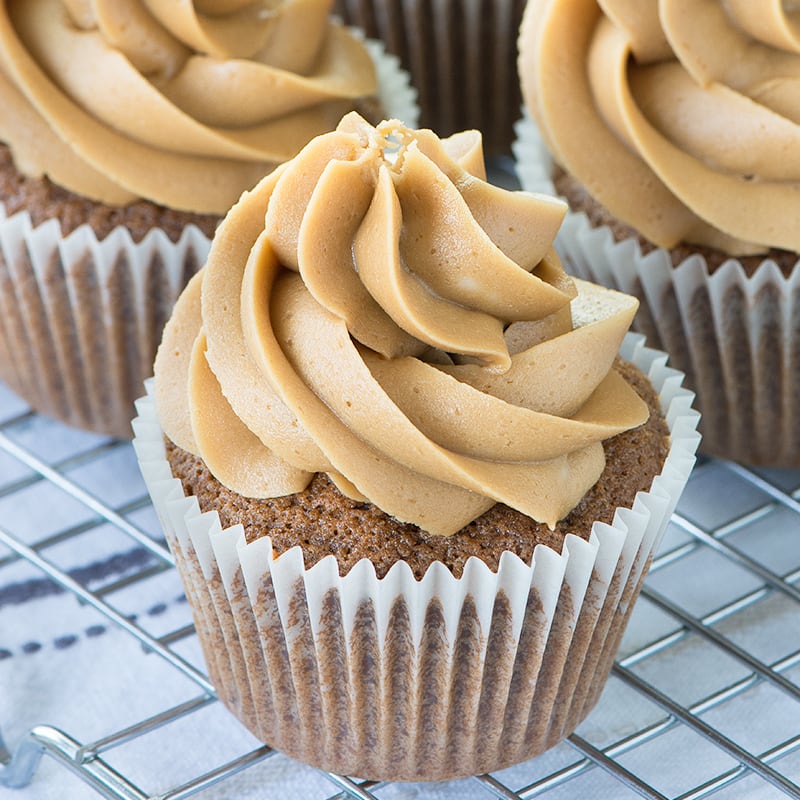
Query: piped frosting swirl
(185, 104)
(682, 117)
(376, 310)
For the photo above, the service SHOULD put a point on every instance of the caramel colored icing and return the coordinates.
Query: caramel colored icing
(185, 104)
(682, 117)
(375, 310)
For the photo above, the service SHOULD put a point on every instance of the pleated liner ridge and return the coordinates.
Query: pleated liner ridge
(399, 679)
(80, 319)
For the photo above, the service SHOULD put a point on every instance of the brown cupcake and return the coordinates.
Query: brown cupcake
(673, 201)
(407, 562)
(104, 217)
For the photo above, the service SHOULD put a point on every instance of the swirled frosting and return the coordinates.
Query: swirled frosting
(682, 117)
(377, 311)
(186, 104)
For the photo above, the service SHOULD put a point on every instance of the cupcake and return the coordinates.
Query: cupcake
(462, 58)
(128, 130)
(411, 488)
(670, 130)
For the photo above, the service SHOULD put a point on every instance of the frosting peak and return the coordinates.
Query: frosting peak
(376, 310)
(184, 104)
(682, 117)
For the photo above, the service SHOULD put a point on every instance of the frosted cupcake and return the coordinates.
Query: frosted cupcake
(128, 130)
(411, 490)
(671, 130)
(462, 58)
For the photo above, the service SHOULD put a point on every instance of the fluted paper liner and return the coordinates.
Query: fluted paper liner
(399, 679)
(461, 54)
(81, 319)
(736, 338)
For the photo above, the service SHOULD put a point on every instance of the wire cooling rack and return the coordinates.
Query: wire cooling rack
(704, 699)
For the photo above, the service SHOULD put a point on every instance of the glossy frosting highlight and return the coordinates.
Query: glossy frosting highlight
(186, 104)
(682, 117)
(377, 311)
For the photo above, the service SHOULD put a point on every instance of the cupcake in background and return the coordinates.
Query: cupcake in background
(411, 490)
(128, 130)
(462, 58)
(672, 129)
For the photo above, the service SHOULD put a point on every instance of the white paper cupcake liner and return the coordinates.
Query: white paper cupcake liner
(400, 679)
(462, 57)
(396, 93)
(736, 337)
(81, 319)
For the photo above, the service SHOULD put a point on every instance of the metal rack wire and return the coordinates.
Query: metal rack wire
(737, 529)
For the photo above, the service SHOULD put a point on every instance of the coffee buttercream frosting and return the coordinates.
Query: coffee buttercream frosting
(682, 117)
(376, 310)
(185, 104)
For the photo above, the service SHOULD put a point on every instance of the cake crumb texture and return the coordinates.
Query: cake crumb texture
(45, 200)
(324, 522)
(579, 199)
